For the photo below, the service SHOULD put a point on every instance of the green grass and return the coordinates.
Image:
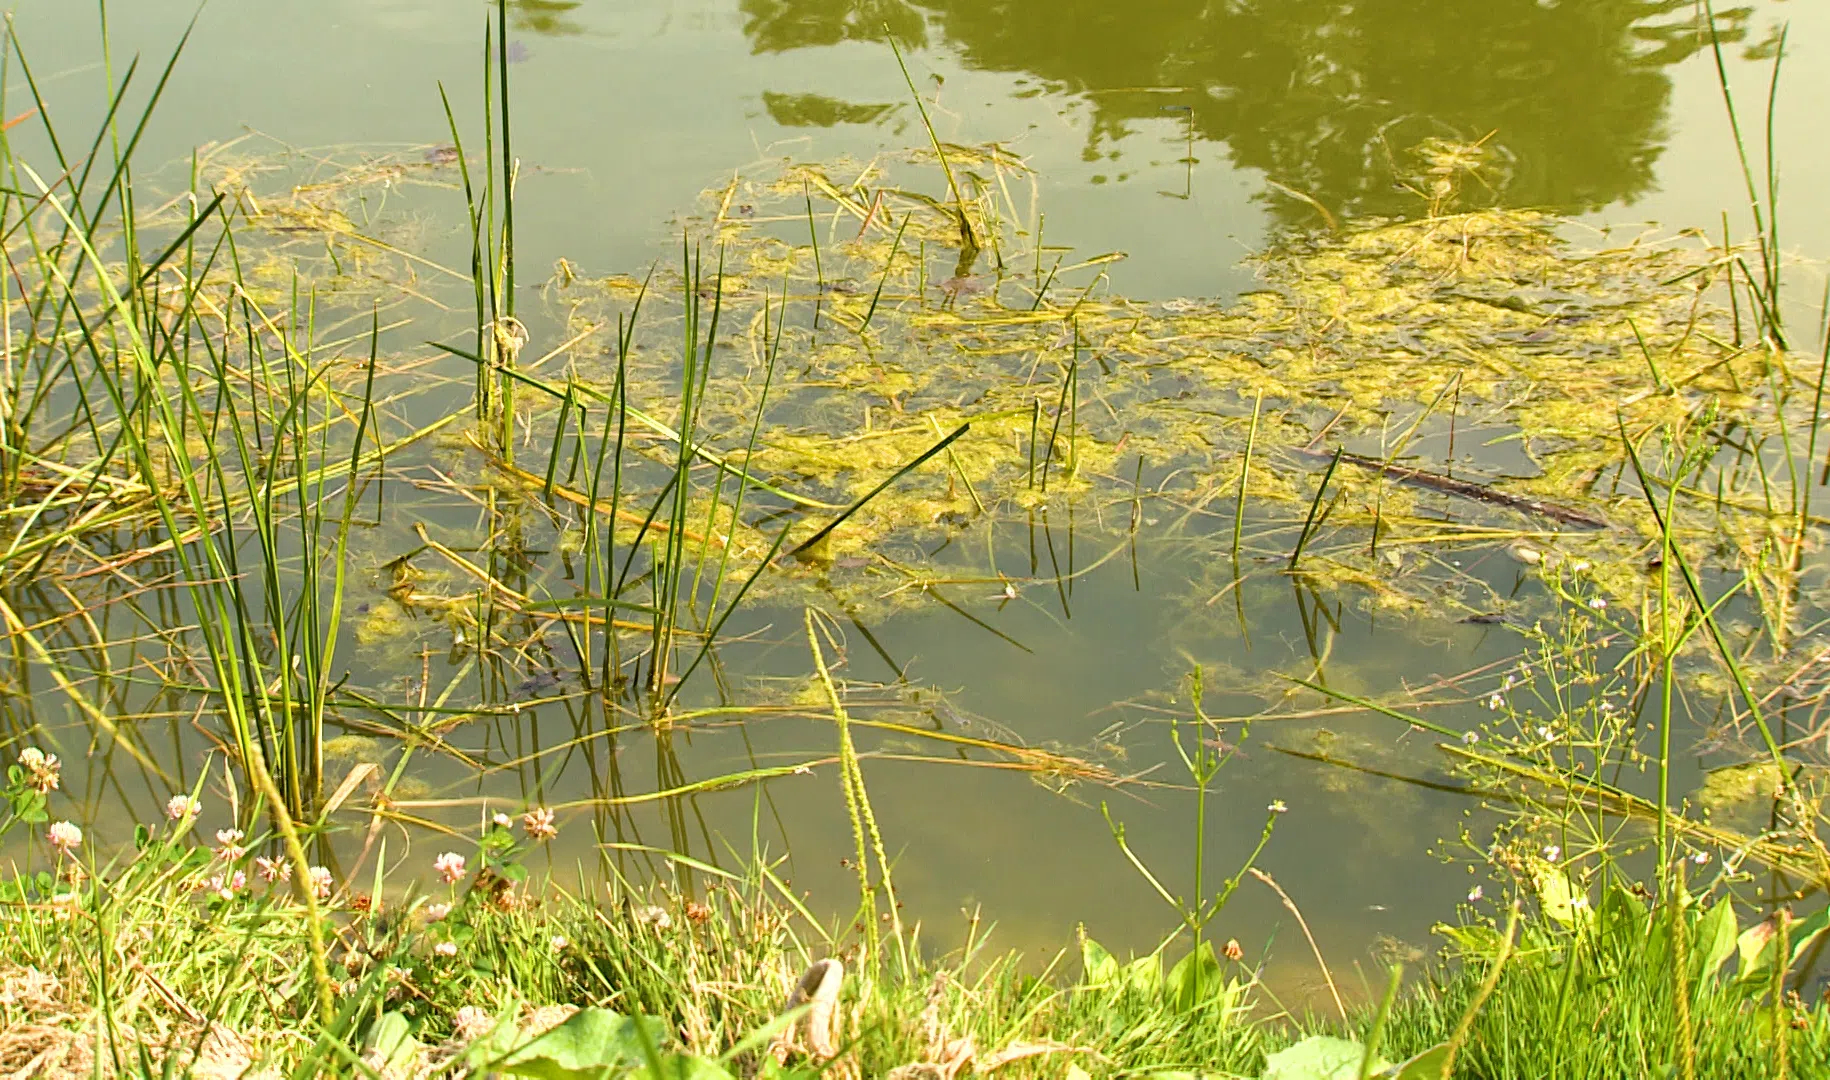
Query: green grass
(133, 963)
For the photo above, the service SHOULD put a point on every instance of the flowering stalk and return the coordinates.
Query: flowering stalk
(301, 884)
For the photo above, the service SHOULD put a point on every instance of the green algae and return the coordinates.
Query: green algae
(1536, 344)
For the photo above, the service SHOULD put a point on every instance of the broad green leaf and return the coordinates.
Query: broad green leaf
(1754, 949)
(391, 1040)
(585, 1046)
(1715, 938)
(1318, 1057)
(1145, 974)
(1100, 966)
(1424, 1066)
(1622, 913)
(1195, 979)
(1806, 931)
(1558, 896)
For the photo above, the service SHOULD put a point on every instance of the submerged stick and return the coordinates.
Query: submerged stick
(1466, 489)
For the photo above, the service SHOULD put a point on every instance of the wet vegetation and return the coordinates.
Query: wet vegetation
(311, 522)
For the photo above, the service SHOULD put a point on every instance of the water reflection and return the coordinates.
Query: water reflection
(1325, 97)
(780, 25)
(544, 16)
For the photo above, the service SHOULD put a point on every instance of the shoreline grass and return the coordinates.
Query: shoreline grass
(187, 958)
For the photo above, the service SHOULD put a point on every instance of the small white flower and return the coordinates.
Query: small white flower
(1494, 703)
(230, 841)
(1277, 807)
(1471, 737)
(450, 866)
(1598, 603)
(470, 1023)
(273, 869)
(226, 886)
(1579, 903)
(64, 836)
(446, 949)
(1545, 733)
(43, 769)
(539, 824)
(558, 942)
(1475, 894)
(436, 912)
(1701, 858)
(502, 821)
(321, 882)
(1552, 852)
(1579, 566)
(179, 807)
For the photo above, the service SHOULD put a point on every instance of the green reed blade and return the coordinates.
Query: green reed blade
(1048, 455)
(879, 489)
(968, 241)
(889, 264)
(1245, 469)
(1302, 540)
(711, 633)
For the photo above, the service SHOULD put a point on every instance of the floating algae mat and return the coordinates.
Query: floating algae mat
(1479, 370)
(1022, 505)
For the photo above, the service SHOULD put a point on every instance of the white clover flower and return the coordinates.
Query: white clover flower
(539, 824)
(179, 807)
(450, 866)
(230, 847)
(436, 912)
(471, 1022)
(446, 949)
(322, 884)
(64, 836)
(43, 769)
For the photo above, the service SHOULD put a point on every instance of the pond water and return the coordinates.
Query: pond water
(1185, 134)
